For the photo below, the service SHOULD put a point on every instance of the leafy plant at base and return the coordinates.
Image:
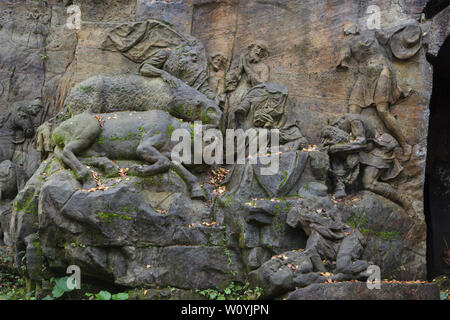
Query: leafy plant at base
(232, 292)
(105, 295)
(59, 288)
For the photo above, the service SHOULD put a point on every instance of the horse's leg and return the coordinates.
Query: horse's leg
(197, 191)
(160, 163)
(108, 166)
(67, 156)
(148, 152)
(83, 134)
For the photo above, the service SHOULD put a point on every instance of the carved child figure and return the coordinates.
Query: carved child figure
(217, 68)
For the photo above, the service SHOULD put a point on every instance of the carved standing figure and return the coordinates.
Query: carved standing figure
(376, 84)
(253, 70)
(217, 68)
(15, 128)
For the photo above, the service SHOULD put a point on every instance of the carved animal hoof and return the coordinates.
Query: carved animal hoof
(136, 170)
(340, 193)
(85, 176)
(198, 193)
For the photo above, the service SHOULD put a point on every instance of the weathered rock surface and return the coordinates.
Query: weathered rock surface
(359, 291)
(137, 232)
(148, 232)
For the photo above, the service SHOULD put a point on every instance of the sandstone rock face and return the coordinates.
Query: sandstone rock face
(147, 232)
(138, 232)
(359, 291)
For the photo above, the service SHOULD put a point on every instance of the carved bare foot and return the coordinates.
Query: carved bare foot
(340, 191)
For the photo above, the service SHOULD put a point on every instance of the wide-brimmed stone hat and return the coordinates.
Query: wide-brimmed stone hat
(406, 41)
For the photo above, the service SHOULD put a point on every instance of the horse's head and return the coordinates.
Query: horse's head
(22, 121)
(191, 105)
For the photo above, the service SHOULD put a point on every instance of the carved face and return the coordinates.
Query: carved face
(22, 120)
(218, 62)
(257, 52)
(232, 80)
(34, 108)
(342, 123)
(364, 47)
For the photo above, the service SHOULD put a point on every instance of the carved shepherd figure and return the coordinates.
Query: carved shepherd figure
(144, 136)
(376, 84)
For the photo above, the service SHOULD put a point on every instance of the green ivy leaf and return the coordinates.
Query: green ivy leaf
(213, 295)
(60, 287)
(103, 295)
(120, 296)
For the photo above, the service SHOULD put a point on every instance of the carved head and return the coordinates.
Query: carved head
(34, 107)
(188, 63)
(258, 51)
(23, 121)
(191, 105)
(232, 80)
(342, 122)
(367, 46)
(218, 61)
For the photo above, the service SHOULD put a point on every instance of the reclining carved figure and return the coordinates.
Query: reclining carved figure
(331, 240)
(332, 252)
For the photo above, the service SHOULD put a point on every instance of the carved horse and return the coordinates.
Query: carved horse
(143, 136)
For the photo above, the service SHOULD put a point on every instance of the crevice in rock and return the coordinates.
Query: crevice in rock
(433, 7)
(437, 177)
